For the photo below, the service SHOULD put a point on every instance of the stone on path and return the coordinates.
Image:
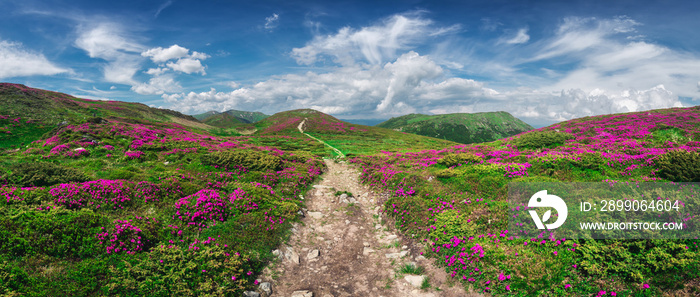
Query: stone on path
(251, 294)
(266, 287)
(315, 214)
(415, 280)
(312, 254)
(304, 293)
(291, 255)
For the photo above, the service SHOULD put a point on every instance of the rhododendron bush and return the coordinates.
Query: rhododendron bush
(131, 205)
(454, 200)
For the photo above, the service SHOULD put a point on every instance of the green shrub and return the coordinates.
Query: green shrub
(58, 233)
(679, 166)
(541, 139)
(636, 260)
(447, 173)
(449, 224)
(12, 278)
(458, 159)
(175, 271)
(253, 160)
(43, 174)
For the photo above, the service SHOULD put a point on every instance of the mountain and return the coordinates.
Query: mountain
(366, 122)
(202, 116)
(242, 116)
(223, 120)
(53, 107)
(460, 127)
(349, 138)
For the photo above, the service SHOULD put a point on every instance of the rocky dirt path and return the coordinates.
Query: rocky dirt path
(343, 247)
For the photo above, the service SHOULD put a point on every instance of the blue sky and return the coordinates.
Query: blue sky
(543, 61)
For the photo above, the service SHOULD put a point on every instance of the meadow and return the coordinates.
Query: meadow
(121, 206)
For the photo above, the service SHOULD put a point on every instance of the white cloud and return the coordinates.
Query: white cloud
(109, 42)
(520, 37)
(187, 65)
(272, 21)
(414, 83)
(233, 84)
(373, 44)
(157, 86)
(184, 61)
(160, 55)
(17, 61)
(156, 71)
(161, 7)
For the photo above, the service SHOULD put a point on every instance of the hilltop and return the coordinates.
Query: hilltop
(54, 107)
(349, 138)
(460, 127)
(28, 113)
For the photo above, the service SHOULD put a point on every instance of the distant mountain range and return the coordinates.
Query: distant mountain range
(230, 118)
(460, 127)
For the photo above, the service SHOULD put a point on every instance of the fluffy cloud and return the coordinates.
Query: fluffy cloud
(157, 86)
(17, 61)
(160, 55)
(184, 62)
(109, 42)
(414, 83)
(373, 44)
(187, 65)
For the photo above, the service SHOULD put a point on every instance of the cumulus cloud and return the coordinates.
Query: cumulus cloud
(187, 65)
(374, 44)
(184, 61)
(272, 21)
(414, 83)
(157, 86)
(109, 42)
(17, 61)
(160, 55)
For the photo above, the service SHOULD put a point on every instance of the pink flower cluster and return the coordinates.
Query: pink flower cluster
(125, 237)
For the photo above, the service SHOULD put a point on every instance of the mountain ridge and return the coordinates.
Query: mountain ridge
(460, 127)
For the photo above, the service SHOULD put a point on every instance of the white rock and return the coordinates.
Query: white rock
(393, 255)
(315, 214)
(291, 255)
(313, 254)
(304, 293)
(366, 251)
(391, 237)
(415, 280)
(266, 287)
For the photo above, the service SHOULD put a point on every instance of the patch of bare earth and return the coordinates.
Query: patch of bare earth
(343, 247)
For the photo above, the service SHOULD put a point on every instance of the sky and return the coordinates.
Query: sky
(542, 61)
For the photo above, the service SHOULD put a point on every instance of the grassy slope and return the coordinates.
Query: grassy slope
(139, 175)
(222, 120)
(33, 112)
(460, 127)
(461, 193)
(349, 138)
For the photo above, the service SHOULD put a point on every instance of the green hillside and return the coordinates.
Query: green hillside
(222, 120)
(460, 127)
(240, 115)
(28, 113)
(349, 138)
(202, 116)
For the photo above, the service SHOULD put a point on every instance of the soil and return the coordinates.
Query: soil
(359, 254)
